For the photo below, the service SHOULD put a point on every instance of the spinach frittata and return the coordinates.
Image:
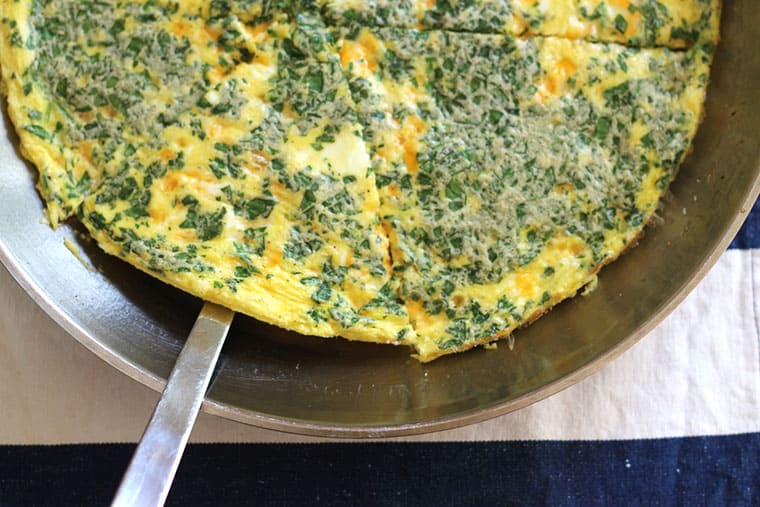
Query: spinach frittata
(427, 173)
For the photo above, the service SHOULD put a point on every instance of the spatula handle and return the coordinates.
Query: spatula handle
(151, 471)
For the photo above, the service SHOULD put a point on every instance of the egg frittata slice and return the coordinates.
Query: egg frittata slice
(220, 156)
(671, 23)
(510, 170)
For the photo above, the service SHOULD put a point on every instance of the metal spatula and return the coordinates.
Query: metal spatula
(151, 471)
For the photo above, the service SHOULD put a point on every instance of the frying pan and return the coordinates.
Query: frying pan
(278, 380)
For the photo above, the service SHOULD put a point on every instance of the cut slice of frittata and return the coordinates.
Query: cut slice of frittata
(510, 170)
(220, 155)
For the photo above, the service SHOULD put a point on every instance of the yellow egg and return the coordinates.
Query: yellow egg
(425, 179)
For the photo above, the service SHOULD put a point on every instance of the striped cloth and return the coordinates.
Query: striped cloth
(674, 421)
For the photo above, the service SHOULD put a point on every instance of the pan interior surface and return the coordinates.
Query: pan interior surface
(275, 379)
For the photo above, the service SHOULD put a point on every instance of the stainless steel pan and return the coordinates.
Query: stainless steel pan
(275, 379)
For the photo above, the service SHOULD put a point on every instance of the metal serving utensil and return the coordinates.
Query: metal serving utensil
(154, 464)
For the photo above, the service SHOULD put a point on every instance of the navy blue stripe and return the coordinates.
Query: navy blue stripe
(749, 235)
(721, 470)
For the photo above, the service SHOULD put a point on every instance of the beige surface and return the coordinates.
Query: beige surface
(678, 381)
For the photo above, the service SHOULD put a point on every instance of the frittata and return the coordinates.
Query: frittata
(433, 174)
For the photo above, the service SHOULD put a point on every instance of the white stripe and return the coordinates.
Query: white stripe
(696, 374)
